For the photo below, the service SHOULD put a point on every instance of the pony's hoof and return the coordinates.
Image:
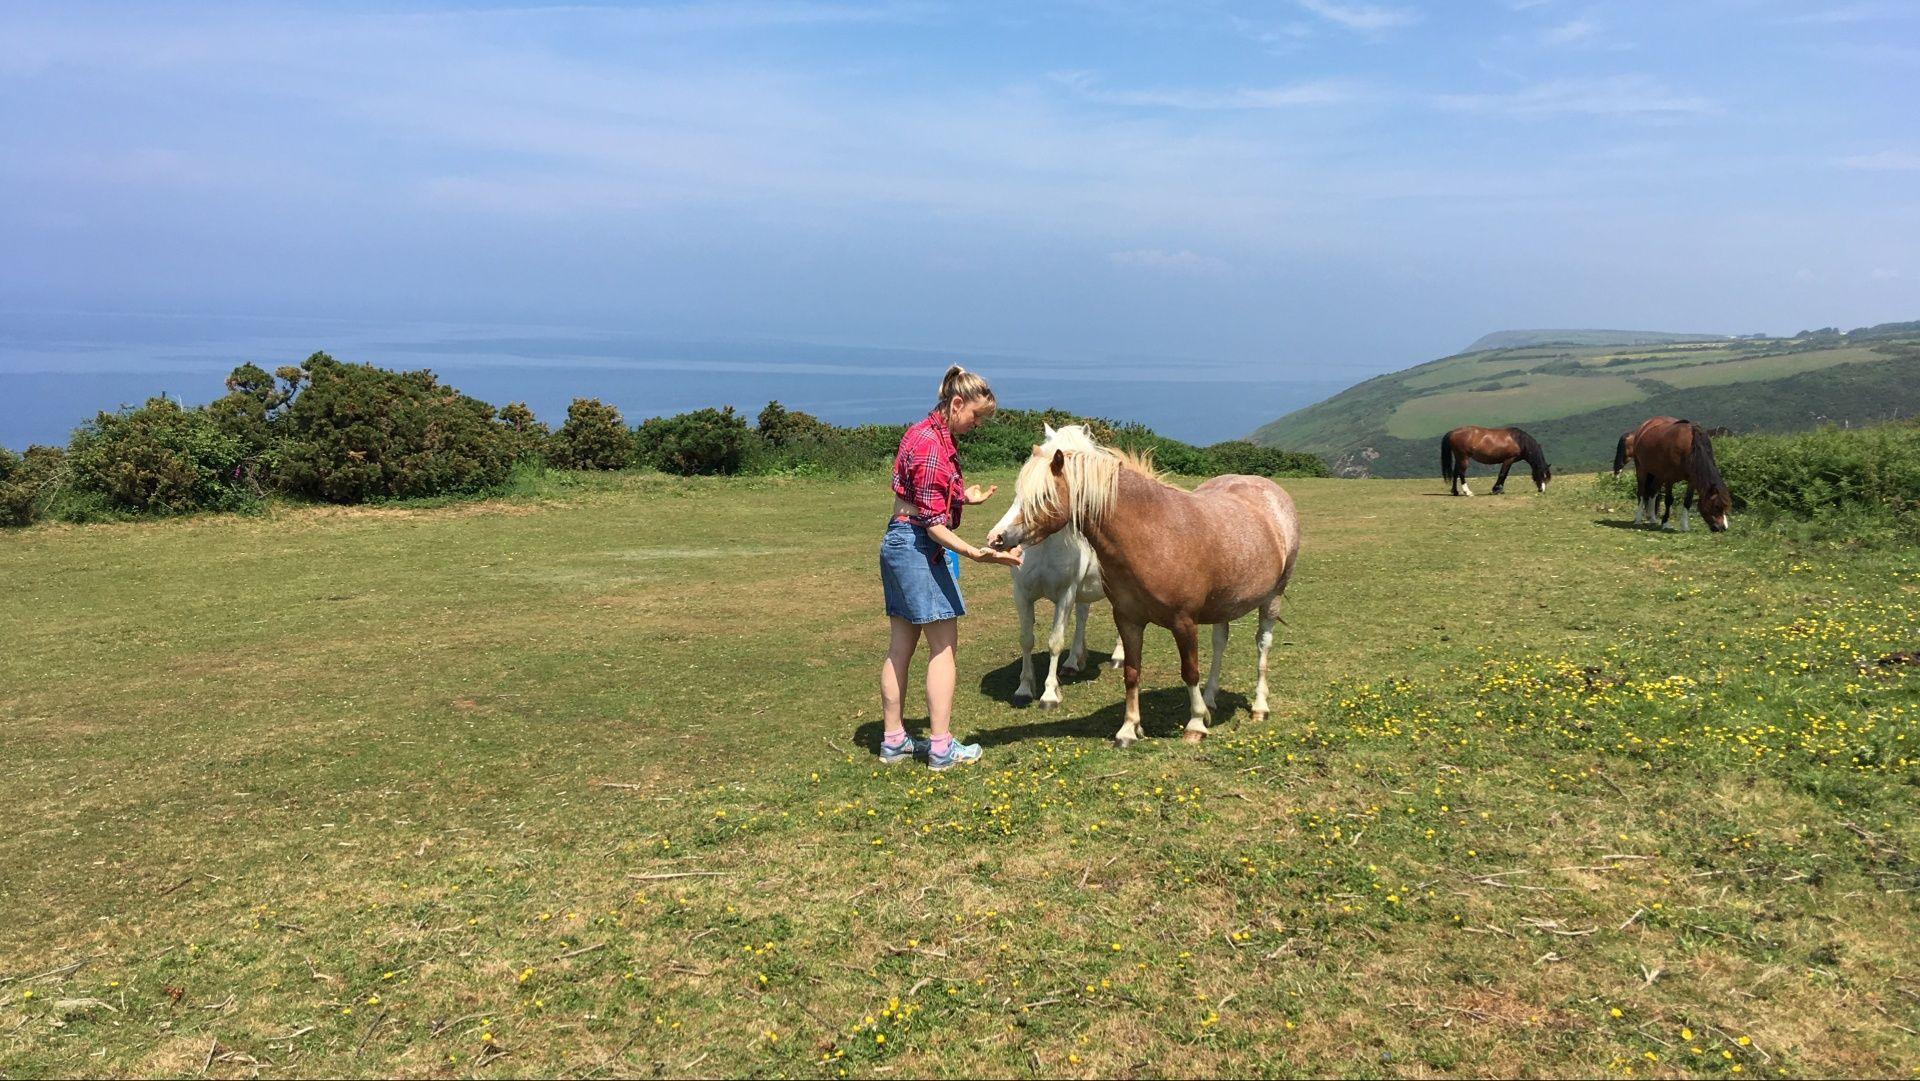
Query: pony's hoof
(1048, 704)
(1259, 716)
(1021, 698)
(1122, 742)
(1190, 736)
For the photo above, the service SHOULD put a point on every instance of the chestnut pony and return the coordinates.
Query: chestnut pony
(1493, 446)
(1168, 556)
(1667, 451)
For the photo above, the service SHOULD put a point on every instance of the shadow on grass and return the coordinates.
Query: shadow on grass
(1624, 523)
(1163, 713)
(1000, 683)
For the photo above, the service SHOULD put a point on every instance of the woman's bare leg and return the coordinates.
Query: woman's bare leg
(893, 674)
(942, 640)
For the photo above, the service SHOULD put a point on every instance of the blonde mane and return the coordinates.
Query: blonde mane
(1092, 473)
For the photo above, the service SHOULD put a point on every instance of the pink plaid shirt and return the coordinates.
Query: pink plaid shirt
(926, 473)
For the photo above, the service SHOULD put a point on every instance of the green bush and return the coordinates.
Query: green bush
(528, 437)
(705, 441)
(250, 413)
(28, 482)
(1845, 479)
(779, 426)
(356, 433)
(593, 437)
(1239, 456)
(160, 459)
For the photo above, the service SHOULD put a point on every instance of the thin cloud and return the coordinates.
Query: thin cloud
(1619, 95)
(1085, 86)
(1168, 262)
(1365, 17)
(1847, 13)
(1577, 32)
(1884, 161)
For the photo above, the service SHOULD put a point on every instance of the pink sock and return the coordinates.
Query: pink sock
(941, 744)
(895, 739)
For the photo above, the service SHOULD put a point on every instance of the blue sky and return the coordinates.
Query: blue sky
(1306, 187)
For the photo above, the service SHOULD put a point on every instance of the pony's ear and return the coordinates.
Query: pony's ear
(1059, 462)
(1049, 429)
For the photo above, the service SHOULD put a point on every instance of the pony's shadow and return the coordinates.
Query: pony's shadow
(1001, 682)
(1163, 714)
(1622, 523)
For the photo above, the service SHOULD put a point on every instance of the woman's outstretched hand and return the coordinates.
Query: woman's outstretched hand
(1009, 558)
(974, 496)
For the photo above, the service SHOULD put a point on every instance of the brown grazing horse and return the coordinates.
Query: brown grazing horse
(1492, 446)
(1666, 451)
(1167, 556)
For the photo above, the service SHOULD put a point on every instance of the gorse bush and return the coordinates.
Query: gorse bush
(160, 459)
(779, 426)
(705, 441)
(28, 482)
(527, 437)
(356, 433)
(594, 437)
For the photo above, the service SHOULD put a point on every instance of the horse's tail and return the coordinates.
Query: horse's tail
(1446, 456)
(1620, 454)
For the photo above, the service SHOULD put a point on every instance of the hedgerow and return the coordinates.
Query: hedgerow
(350, 433)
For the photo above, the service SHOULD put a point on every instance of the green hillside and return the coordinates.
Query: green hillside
(1513, 339)
(1577, 399)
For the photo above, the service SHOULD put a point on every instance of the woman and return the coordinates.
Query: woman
(920, 567)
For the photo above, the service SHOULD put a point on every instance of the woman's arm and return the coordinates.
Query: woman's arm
(947, 538)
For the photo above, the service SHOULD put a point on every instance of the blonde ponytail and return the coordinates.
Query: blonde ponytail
(969, 386)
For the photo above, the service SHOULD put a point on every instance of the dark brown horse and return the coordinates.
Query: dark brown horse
(1666, 451)
(1168, 556)
(1492, 446)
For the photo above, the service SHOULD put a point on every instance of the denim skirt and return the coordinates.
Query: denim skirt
(921, 579)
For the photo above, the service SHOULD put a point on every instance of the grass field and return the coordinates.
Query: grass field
(1534, 396)
(581, 784)
(1759, 368)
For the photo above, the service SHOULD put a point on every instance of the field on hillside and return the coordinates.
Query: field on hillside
(582, 784)
(1577, 399)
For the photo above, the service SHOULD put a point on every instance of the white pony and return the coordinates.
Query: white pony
(1063, 569)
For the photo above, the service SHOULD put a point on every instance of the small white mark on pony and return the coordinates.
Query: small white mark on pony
(1465, 490)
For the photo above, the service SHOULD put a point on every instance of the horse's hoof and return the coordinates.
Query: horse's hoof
(1021, 698)
(1259, 716)
(1122, 742)
(1048, 705)
(1190, 736)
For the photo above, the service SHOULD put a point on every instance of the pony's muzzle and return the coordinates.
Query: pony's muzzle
(1006, 539)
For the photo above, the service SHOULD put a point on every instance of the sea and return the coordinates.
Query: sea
(58, 370)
